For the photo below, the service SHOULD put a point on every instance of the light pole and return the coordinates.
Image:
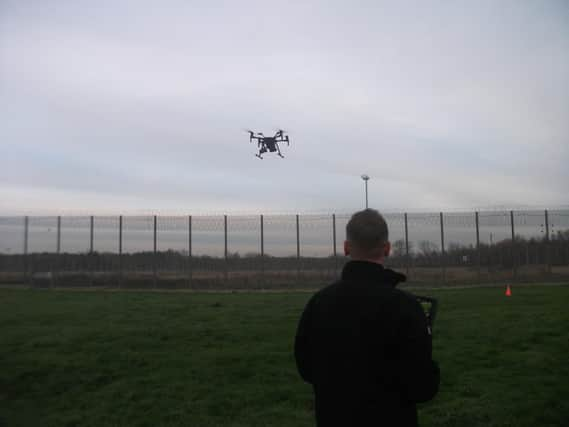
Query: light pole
(366, 179)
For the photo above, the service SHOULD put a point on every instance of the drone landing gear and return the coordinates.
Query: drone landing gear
(259, 156)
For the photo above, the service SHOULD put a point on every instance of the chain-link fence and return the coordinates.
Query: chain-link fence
(277, 251)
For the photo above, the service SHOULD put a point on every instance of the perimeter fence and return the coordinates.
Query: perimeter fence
(277, 251)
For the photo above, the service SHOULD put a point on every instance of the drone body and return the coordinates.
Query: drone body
(269, 143)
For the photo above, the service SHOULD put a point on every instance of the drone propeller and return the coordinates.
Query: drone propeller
(283, 134)
(251, 134)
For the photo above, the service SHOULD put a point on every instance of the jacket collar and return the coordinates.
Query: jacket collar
(370, 272)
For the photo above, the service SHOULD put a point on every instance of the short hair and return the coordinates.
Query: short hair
(367, 231)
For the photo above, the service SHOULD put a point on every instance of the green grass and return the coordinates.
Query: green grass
(182, 359)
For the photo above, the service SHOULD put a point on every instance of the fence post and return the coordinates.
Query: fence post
(225, 253)
(58, 234)
(26, 235)
(547, 244)
(443, 264)
(91, 233)
(189, 250)
(262, 249)
(407, 258)
(55, 278)
(155, 255)
(297, 248)
(335, 252)
(120, 251)
(479, 260)
(514, 260)
(91, 248)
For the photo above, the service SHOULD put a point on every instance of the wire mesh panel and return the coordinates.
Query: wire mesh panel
(172, 251)
(73, 261)
(496, 246)
(280, 235)
(106, 234)
(317, 264)
(138, 235)
(207, 236)
(396, 229)
(425, 243)
(558, 224)
(530, 246)
(341, 222)
(43, 234)
(280, 246)
(172, 234)
(244, 238)
(244, 263)
(12, 258)
(316, 236)
(137, 260)
(461, 253)
(12, 235)
(43, 241)
(75, 234)
(559, 243)
(208, 263)
(105, 261)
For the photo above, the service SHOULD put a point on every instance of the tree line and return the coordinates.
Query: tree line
(502, 254)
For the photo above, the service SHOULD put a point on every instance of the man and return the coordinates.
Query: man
(363, 344)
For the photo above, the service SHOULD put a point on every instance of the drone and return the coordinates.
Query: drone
(269, 143)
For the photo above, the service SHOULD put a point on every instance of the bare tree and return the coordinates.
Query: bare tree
(398, 248)
(427, 247)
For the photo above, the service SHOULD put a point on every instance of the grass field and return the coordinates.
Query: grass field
(80, 358)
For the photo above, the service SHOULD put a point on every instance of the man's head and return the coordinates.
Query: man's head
(367, 238)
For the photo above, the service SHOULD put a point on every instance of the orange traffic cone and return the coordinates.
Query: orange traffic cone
(508, 291)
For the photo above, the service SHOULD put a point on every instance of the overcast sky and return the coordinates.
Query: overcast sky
(139, 106)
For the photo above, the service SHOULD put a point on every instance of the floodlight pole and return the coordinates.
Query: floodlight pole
(366, 179)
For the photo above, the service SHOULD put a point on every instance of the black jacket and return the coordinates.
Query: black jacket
(365, 348)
